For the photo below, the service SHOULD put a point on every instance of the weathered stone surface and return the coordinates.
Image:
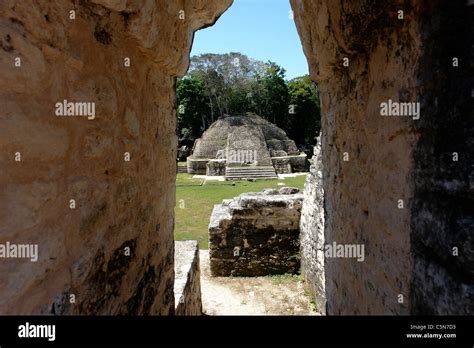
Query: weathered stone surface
(291, 164)
(362, 193)
(247, 140)
(263, 135)
(216, 167)
(196, 165)
(181, 169)
(120, 205)
(246, 144)
(282, 165)
(299, 164)
(408, 251)
(256, 234)
(187, 284)
(442, 207)
(312, 232)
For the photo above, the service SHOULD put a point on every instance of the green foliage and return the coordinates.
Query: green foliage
(226, 79)
(232, 83)
(285, 278)
(193, 109)
(275, 96)
(304, 119)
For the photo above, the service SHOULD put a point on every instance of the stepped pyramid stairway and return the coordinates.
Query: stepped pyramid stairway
(250, 172)
(181, 169)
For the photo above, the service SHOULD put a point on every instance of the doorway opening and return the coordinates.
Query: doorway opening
(248, 117)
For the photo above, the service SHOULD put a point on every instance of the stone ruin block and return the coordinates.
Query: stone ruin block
(282, 165)
(299, 164)
(197, 166)
(242, 140)
(256, 234)
(312, 232)
(246, 144)
(216, 167)
(187, 285)
(291, 164)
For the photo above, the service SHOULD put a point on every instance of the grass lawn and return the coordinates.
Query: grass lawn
(194, 204)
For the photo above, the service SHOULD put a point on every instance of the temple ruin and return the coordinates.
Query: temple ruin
(245, 146)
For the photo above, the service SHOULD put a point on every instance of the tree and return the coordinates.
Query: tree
(304, 118)
(227, 79)
(275, 96)
(232, 83)
(193, 109)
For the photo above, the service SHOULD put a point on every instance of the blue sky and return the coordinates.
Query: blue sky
(261, 29)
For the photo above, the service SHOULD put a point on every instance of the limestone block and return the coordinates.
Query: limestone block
(282, 165)
(216, 167)
(256, 234)
(197, 165)
(187, 285)
(312, 232)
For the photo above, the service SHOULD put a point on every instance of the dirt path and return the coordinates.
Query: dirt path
(277, 295)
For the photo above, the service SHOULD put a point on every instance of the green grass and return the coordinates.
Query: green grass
(285, 278)
(194, 204)
(187, 179)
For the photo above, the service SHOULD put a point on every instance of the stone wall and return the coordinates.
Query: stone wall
(197, 166)
(112, 247)
(443, 204)
(187, 283)
(300, 163)
(245, 131)
(390, 182)
(256, 234)
(181, 169)
(291, 164)
(246, 144)
(312, 232)
(216, 167)
(282, 165)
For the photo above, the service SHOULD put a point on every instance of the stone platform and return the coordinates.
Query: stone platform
(242, 140)
(187, 285)
(250, 172)
(256, 234)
